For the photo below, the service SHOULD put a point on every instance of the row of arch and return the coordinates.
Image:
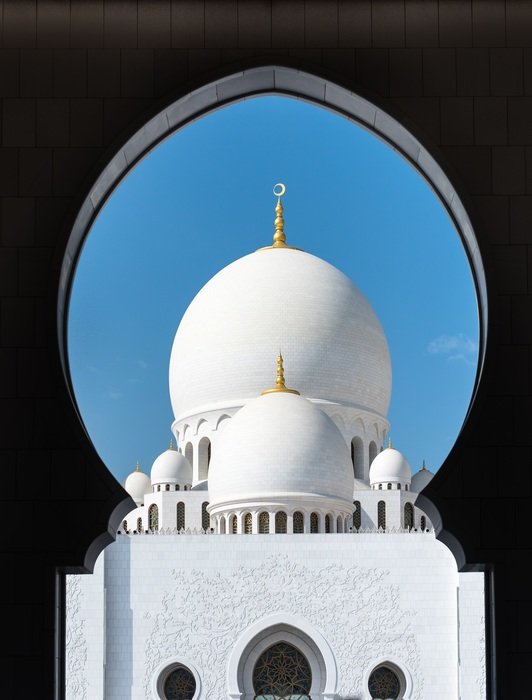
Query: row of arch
(397, 486)
(180, 520)
(281, 522)
(172, 487)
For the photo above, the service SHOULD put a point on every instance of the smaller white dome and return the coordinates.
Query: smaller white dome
(421, 479)
(390, 466)
(171, 467)
(137, 485)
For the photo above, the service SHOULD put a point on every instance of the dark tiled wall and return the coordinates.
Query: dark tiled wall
(76, 78)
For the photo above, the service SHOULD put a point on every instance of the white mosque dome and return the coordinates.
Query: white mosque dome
(390, 466)
(171, 467)
(421, 479)
(280, 448)
(138, 485)
(284, 298)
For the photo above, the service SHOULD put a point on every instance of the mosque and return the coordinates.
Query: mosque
(276, 553)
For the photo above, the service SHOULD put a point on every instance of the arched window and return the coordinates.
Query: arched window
(222, 525)
(298, 522)
(280, 522)
(189, 452)
(180, 522)
(372, 452)
(177, 487)
(205, 517)
(167, 487)
(384, 684)
(283, 673)
(357, 516)
(389, 487)
(380, 487)
(327, 523)
(180, 685)
(357, 457)
(398, 487)
(124, 526)
(204, 456)
(158, 487)
(423, 523)
(314, 522)
(339, 524)
(409, 516)
(248, 524)
(153, 517)
(234, 525)
(381, 515)
(139, 525)
(406, 487)
(264, 523)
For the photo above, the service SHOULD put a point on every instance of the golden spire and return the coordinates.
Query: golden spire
(423, 466)
(390, 446)
(279, 382)
(137, 468)
(171, 444)
(279, 237)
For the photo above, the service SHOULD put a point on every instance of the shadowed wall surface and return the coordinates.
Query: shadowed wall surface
(78, 79)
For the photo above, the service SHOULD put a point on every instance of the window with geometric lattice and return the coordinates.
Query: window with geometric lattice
(384, 684)
(280, 522)
(124, 526)
(139, 524)
(282, 673)
(205, 517)
(248, 524)
(409, 516)
(153, 517)
(298, 522)
(234, 525)
(357, 516)
(327, 523)
(423, 523)
(264, 523)
(180, 516)
(314, 522)
(180, 685)
(381, 515)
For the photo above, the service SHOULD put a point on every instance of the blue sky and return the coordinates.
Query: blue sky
(204, 198)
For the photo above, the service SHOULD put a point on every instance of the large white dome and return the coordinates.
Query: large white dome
(279, 298)
(280, 448)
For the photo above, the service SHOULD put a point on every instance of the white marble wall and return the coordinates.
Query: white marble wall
(192, 597)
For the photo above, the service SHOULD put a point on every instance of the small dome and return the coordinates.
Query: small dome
(421, 479)
(137, 485)
(390, 466)
(280, 447)
(171, 467)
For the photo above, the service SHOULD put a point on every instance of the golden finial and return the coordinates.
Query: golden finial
(171, 444)
(279, 382)
(279, 237)
(423, 466)
(137, 468)
(390, 446)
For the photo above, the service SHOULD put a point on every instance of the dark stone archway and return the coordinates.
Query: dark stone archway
(79, 79)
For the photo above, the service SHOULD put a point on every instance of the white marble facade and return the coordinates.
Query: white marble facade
(281, 520)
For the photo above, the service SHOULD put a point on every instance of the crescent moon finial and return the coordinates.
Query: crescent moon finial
(281, 187)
